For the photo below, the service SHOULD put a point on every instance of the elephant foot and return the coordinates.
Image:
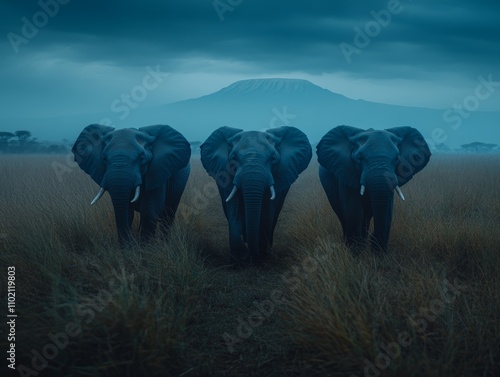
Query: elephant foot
(355, 244)
(377, 247)
(240, 258)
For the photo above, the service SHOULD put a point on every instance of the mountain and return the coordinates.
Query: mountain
(265, 103)
(261, 104)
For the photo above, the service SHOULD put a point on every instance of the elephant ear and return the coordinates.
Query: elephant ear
(88, 149)
(296, 153)
(414, 153)
(215, 153)
(171, 152)
(335, 154)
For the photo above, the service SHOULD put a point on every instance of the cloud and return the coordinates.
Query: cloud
(427, 40)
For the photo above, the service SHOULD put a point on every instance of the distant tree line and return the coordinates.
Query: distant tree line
(22, 142)
(474, 147)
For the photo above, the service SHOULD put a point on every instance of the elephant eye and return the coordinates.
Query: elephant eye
(274, 159)
(105, 159)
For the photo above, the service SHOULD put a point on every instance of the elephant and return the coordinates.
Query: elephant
(254, 171)
(143, 170)
(359, 171)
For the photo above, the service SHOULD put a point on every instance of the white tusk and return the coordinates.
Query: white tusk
(231, 195)
(98, 196)
(400, 193)
(362, 191)
(273, 193)
(137, 193)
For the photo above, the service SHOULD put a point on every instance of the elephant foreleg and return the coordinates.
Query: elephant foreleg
(130, 217)
(238, 255)
(151, 207)
(173, 194)
(270, 213)
(355, 222)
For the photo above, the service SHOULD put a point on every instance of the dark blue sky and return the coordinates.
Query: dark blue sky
(74, 56)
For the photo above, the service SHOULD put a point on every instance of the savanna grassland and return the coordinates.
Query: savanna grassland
(430, 307)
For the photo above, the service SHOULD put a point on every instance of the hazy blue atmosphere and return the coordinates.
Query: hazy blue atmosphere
(66, 64)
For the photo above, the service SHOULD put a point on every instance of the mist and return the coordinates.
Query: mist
(200, 65)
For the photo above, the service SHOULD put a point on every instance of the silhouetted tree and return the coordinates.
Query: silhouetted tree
(4, 140)
(22, 137)
(442, 148)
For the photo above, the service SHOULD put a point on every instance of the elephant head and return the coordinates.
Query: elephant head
(254, 171)
(374, 163)
(130, 163)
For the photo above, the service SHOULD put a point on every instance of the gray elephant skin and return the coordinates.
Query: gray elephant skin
(143, 170)
(361, 169)
(254, 171)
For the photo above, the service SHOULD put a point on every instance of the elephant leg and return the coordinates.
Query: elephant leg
(151, 207)
(266, 230)
(367, 210)
(355, 221)
(130, 217)
(331, 187)
(239, 255)
(269, 218)
(175, 188)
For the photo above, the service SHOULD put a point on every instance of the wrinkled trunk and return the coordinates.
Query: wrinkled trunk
(381, 196)
(120, 190)
(253, 193)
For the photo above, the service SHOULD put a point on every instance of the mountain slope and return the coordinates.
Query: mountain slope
(261, 104)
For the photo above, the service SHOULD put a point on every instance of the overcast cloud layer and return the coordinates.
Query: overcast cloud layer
(90, 52)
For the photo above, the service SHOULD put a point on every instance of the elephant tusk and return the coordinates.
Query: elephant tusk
(400, 193)
(137, 193)
(231, 195)
(273, 193)
(362, 191)
(98, 196)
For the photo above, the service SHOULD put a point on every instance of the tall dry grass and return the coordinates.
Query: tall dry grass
(164, 309)
(348, 308)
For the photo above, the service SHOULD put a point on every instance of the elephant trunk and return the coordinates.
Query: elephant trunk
(120, 188)
(381, 197)
(253, 188)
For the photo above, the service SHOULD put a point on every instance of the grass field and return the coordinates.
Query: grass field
(431, 307)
